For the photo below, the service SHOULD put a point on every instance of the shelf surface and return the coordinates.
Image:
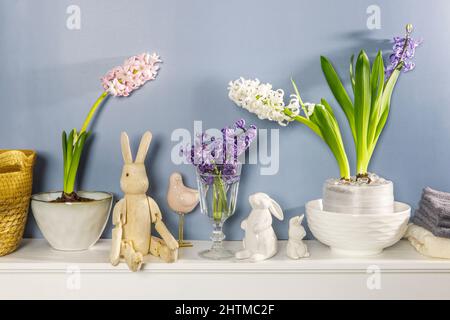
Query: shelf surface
(36, 271)
(37, 255)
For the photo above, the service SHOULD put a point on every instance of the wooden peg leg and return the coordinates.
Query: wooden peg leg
(133, 259)
(158, 248)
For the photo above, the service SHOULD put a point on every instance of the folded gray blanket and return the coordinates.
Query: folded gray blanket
(445, 196)
(431, 218)
(435, 230)
(438, 202)
(433, 213)
(437, 212)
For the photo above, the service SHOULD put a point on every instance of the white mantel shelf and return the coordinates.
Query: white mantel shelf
(36, 271)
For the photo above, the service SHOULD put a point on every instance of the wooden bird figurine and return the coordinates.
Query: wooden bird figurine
(182, 200)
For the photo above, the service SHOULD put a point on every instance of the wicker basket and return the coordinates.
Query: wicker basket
(16, 176)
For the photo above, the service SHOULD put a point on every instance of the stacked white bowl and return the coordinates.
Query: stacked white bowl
(358, 219)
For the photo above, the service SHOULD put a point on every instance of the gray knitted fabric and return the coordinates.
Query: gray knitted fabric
(442, 206)
(437, 213)
(435, 230)
(431, 219)
(433, 213)
(441, 195)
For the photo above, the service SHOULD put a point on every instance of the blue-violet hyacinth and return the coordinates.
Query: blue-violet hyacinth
(403, 52)
(220, 155)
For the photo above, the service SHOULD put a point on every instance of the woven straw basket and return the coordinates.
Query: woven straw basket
(16, 176)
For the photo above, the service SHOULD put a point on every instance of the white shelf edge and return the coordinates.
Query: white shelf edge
(35, 256)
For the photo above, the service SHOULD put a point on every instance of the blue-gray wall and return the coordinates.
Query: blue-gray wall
(50, 76)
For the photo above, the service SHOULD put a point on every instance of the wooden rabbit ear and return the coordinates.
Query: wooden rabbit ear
(126, 150)
(276, 210)
(300, 218)
(143, 147)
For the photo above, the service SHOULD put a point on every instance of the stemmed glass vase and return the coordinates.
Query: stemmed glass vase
(218, 195)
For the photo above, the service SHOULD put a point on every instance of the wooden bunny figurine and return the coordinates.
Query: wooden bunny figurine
(296, 248)
(134, 214)
(260, 241)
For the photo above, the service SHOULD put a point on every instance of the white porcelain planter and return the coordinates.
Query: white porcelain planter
(371, 198)
(71, 226)
(357, 234)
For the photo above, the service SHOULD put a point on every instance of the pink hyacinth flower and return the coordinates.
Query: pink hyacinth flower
(135, 72)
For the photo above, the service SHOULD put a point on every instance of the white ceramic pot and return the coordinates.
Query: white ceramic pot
(377, 197)
(357, 234)
(71, 226)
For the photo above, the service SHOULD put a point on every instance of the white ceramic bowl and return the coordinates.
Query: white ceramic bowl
(71, 226)
(357, 235)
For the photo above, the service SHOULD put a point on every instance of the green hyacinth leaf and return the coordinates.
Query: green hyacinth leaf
(362, 109)
(377, 86)
(327, 106)
(352, 73)
(64, 151)
(77, 151)
(70, 149)
(297, 93)
(385, 106)
(333, 138)
(339, 92)
(308, 122)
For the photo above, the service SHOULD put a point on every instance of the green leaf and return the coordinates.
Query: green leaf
(70, 148)
(352, 74)
(75, 135)
(377, 75)
(333, 138)
(77, 151)
(377, 86)
(362, 109)
(327, 106)
(297, 93)
(385, 106)
(339, 93)
(64, 150)
(69, 155)
(304, 121)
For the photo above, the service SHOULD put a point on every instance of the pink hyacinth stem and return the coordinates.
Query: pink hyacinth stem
(92, 111)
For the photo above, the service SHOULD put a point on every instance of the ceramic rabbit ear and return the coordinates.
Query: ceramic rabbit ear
(276, 210)
(126, 150)
(143, 147)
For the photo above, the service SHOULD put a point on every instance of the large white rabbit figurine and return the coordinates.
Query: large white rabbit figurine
(296, 248)
(260, 241)
(134, 214)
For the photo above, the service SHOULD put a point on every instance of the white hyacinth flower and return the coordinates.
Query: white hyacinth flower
(309, 108)
(260, 99)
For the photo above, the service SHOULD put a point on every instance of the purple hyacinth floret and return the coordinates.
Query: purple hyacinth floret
(404, 49)
(214, 156)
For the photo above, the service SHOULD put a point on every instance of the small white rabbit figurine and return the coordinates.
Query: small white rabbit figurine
(134, 214)
(260, 241)
(296, 248)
